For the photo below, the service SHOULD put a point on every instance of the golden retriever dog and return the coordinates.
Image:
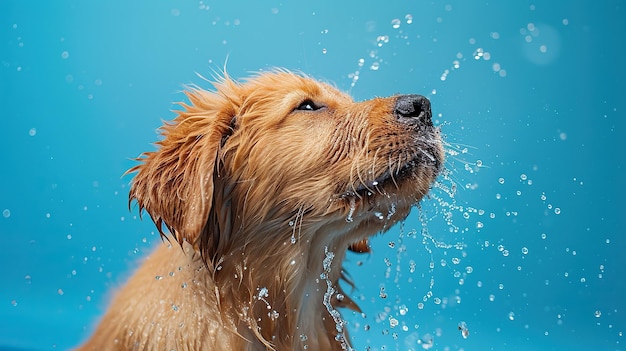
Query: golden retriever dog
(260, 187)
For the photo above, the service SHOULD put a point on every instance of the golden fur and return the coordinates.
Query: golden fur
(264, 194)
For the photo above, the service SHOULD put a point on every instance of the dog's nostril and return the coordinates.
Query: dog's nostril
(413, 109)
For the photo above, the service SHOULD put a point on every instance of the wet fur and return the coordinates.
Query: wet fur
(255, 194)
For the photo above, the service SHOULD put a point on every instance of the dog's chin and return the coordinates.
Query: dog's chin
(405, 182)
(389, 198)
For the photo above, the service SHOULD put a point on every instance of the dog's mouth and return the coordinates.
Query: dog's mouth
(397, 177)
(429, 159)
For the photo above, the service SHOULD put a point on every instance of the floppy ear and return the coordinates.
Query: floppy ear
(175, 183)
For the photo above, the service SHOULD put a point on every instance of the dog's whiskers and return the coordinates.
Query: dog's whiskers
(427, 154)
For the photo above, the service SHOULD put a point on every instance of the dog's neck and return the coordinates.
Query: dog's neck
(287, 298)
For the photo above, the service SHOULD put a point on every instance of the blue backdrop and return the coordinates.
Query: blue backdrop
(527, 254)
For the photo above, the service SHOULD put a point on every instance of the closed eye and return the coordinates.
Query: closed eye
(308, 105)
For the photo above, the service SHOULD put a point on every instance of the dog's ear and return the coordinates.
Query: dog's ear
(174, 184)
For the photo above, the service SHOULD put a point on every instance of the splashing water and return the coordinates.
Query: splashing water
(392, 210)
(446, 249)
(262, 295)
(463, 329)
(297, 222)
(330, 291)
(352, 209)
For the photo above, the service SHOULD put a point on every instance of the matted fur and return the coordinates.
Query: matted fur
(264, 195)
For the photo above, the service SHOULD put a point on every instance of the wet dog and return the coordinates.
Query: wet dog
(259, 188)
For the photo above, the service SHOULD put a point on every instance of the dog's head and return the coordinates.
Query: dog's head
(283, 160)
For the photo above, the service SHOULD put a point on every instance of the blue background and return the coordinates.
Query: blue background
(529, 93)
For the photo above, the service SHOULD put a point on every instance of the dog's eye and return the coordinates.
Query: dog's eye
(308, 105)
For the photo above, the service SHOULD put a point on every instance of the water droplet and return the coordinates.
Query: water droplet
(511, 316)
(412, 266)
(525, 250)
(274, 315)
(352, 209)
(557, 210)
(395, 23)
(464, 330)
(6, 213)
(408, 18)
(478, 54)
(263, 292)
(501, 180)
(158, 277)
(375, 66)
(32, 132)
(597, 314)
(382, 39)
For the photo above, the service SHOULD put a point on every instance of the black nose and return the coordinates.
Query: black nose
(413, 109)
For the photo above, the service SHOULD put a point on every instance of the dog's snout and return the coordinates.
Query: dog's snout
(413, 109)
